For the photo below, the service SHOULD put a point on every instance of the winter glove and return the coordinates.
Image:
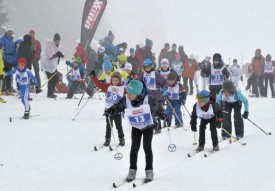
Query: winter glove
(245, 115)
(109, 112)
(193, 128)
(68, 62)
(164, 92)
(92, 74)
(163, 116)
(37, 90)
(219, 123)
(59, 54)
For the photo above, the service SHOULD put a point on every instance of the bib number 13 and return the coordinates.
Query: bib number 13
(140, 119)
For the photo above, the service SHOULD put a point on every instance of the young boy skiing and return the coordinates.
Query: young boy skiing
(207, 110)
(141, 110)
(176, 96)
(114, 92)
(232, 99)
(23, 77)
(155, 83)
(78, 78)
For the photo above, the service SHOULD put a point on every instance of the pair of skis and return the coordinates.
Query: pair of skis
(135, 183)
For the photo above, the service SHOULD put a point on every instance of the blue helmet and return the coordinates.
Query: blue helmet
(203, 95)
(147, 62)
(107, 65)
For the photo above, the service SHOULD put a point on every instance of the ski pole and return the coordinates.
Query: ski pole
(81, 109)
(259, 127)
(235, 138)
(83, 94)
(49, 79)
(195, 140)
(173, 110)
(187, 110)
(118, 156)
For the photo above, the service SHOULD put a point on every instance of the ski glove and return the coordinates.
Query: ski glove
(109, 112)
(219, 123)
(163, 116)
(59, 54)
(92, 74)
(245, 115)
(37, 90)
(193, 128)
(164, 92)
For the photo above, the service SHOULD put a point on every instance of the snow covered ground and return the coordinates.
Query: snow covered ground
(51, 152)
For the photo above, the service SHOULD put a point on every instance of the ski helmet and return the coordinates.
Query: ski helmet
(107, 65)
(147, 62)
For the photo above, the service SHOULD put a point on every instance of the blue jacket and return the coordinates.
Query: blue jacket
(238, 96)
(9, 54)
(23, 77)
(111, 50)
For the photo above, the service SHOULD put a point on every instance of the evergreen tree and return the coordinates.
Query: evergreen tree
(3, 17)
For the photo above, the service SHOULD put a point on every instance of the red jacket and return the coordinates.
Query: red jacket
(37, 47)
(103, 86)
(257, 65)
(80, 51)
(189, 71)
(140, 55)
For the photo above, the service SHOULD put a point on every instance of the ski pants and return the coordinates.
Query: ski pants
(270, 79)
(178, 115)
(238, 120)
(257, 84)
(118, 122)
(7, 83)
(205, 83)
(213, 130)
(24, 96)
(74, 87)
(147, 147)
(36, 72)
(52, 82)
(185, 84)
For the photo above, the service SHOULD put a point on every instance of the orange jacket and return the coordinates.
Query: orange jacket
(257, 65)
(190, 70)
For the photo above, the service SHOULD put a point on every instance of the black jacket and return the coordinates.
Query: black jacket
(25, 50)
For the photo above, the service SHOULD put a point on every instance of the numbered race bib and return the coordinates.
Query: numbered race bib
(229, 99)
(114, 94)
(177, 68)
(164, 73)
(139, 117)
(76, 75)
(150, 80)
(204, 115)
(22, 77)
(173, 92)
(268, 68)
(217, 76)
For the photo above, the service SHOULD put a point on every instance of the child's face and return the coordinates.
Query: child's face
(108, 71)
(132, 97)
(164, 68)
(201, 103)
(171, 82)
(21, 66)
(147, 68)
(115, 81)
(226, 93)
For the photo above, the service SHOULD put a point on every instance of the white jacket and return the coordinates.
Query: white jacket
(48, 63)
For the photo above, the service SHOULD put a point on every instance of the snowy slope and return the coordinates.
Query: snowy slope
(53, 152)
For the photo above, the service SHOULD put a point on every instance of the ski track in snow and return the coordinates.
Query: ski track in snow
(52, 152)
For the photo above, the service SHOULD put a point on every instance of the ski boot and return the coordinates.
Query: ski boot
(216, 148)
(121, 142)
(200, 148)
(26, 115)
(107, 142)
(157, 131)
(131, 175)
(149, 176)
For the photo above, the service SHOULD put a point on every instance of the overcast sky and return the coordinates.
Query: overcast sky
(233, 28)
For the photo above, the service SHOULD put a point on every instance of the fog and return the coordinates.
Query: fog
(234, 28)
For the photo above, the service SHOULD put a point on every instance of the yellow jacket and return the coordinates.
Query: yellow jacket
(106, 77)
(1, 63)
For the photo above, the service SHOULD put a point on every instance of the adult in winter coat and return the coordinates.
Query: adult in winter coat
(9, 57)
(110, 49)
(232, 99)
(36, 47)
(140, 55)
(268, 75)
(171, 55)
(190, 68)
(49, 60)
(133, 60)
(148, 49)
(163, 53)
(208, 111)
(205, 73)
(141, 110)
(25, 50)
(183, 55)
(256, 78)
(80, 52)
(219, 73)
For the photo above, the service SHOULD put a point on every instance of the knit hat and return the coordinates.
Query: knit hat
(164, 62)
(132, 51)
(203, 96)
(141, 45)
(172, 76)
(229, 86)
(116, 75)
(217, 57)
(134, 87)
(107, 65)
(22, 61)
(56, 37)
(78, 60)
(128, 66)
(9, 29)
(149, 43)
(147, 62)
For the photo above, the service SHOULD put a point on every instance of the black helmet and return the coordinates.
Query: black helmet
(217, 57)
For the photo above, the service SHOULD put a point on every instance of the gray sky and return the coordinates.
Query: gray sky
(233, 27)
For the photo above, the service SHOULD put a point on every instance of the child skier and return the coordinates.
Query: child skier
(2, 72)
(164, 68)
(114, 92)
(141, 110)
(207, 110)
(23, 77)
(236, 73)
(78, 78)
(108, 69)
(155, 83)
(176, 96)
(232, 99)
